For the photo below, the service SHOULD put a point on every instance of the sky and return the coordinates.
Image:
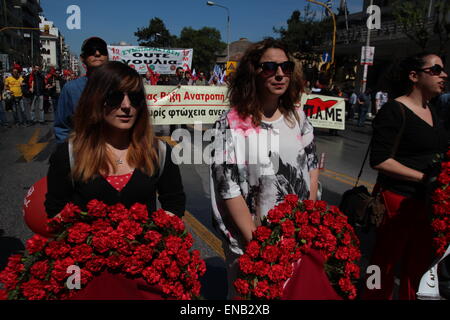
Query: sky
(117, 20)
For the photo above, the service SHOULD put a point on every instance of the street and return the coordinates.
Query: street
(24, 157)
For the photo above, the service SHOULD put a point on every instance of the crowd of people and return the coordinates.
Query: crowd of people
(101, 122)
(29, 94)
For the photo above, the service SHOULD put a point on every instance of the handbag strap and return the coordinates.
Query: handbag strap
(398, 138)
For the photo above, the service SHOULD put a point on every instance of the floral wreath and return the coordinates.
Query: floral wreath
(441, 209)
(290, 230)
(111, 238)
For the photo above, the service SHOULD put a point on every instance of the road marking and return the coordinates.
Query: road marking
(207, 236)
(32, 148)
(347, 177)
(350, 183)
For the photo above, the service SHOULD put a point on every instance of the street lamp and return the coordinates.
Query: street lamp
(211, 3)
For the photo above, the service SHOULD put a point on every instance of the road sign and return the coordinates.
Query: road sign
(367, 55)
(326, 57)
(231, 67)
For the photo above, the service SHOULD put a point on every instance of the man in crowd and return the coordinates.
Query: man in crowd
(94, 53)
(352, 105)
(54, 84)
(37, 87)
(380, 99)
(201, 81)
(13, 84)
(3, 118)
(179, 79)
(363, 106)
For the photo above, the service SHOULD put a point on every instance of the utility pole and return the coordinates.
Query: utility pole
(366, 66)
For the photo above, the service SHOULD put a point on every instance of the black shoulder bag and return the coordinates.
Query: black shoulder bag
(363, 209)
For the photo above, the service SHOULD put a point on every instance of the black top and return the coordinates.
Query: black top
(418, 147)
(140, 188)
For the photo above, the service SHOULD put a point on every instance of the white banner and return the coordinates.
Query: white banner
(205, 104)
(160, 60)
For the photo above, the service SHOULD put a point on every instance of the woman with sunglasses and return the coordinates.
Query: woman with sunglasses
(116, 155)
(408, 141)
(263, 149)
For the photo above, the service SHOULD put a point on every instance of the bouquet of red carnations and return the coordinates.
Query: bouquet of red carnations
(291, 229)
(106, 238)
(441, 209)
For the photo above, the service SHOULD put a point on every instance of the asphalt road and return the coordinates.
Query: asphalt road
(24, 154)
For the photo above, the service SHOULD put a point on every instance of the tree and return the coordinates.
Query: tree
(155, 35)
(412, 15)
(206, 42)
(304, 31)
(442, 24)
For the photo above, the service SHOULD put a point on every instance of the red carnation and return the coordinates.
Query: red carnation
(176, 223)
(284, 207)
(188, 241)
(173, 244)
(161, 218)
(301, 218)
(95, 264)
(252, 249)
(81, 253)
(34, 289)
(320, 205)
(314, 217)
(270, 253)
(118, 213)
(242, 287)
(129, 229)
(276, 273)
(59, 271)
(309, 205)
(79, 232)
(292, 200)
(262, 233)
(96, 208)
(3, 295)
(40, 269)
(183, 257)
(153, 237)
(275, 215)
(245, 264)
(261, 289)
(288, 229)
(151, 275)
(134, 265)
(261, 269)
(439, 225)
(57, 249)
(139, 212)
(173, 271)
(35, 244)
(69, 213)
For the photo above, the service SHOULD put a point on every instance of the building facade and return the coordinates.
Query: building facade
(18, 44)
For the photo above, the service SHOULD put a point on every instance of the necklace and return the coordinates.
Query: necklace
(119, 157)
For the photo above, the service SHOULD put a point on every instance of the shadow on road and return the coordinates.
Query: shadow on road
(8, 247)
(214, 282)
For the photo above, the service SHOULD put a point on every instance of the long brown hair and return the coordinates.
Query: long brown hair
(89, 145)
(243, 91)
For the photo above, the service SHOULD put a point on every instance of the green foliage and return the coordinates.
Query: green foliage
(413, 16)
(206, 43)
(304, 31)
(155, 35)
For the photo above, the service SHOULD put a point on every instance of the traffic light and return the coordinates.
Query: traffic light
(47, 28)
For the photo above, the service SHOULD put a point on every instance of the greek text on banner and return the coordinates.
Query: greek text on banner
(205, 104)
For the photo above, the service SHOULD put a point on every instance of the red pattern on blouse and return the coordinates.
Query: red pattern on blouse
(119, 182)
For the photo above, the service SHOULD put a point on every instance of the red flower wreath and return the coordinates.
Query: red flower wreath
(111, 238)
(441, 209)
(291, 229)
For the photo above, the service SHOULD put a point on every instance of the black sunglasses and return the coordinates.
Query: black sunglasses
(434, 70)
(270, 68)
(90, 51)
(114, 99)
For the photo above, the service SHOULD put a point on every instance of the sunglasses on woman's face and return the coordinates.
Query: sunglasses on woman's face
(270, 68)
(114, 99)
(435, 70)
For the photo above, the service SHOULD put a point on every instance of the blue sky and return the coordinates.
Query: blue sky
(117, 20)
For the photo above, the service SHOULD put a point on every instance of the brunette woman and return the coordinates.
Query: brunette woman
(115, 151)
(264, 147)
(408, 141)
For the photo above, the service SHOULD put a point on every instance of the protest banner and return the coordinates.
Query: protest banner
(160, 60)
(324, 111)
(190, 104)
(186, 104)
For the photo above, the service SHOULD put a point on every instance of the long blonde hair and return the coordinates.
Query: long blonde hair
(89, 145)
